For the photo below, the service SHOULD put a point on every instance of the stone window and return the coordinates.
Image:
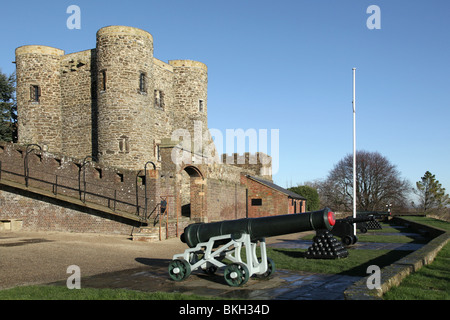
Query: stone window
(159, 99)
(98, 173)
(141, 180)
(158, 152)
(124, 146)
(35, 93)
(103, 80)
(142, 82)
(256, 202)
(200, 105)
(119, 177)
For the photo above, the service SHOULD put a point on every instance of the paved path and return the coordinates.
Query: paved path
(283, 285)
(305, 244)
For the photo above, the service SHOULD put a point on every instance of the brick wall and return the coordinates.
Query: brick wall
(44, 214)
(266, 201)
(297, 205)
(225, 200)
(210, 199)
(121, 189)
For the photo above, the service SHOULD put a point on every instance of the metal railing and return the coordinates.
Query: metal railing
(57, 187)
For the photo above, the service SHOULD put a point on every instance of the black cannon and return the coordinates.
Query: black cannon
(210, 243)
(378, 216)
(344, 228)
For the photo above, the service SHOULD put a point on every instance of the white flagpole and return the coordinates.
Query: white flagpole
(354, 152)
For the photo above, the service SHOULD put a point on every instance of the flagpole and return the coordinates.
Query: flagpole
(354, 151)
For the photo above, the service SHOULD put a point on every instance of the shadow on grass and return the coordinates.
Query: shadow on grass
(355, 264)
(380, 261)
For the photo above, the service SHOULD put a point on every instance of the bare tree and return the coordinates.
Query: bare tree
(378, 183)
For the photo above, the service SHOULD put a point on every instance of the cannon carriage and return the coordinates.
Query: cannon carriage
(222, 244)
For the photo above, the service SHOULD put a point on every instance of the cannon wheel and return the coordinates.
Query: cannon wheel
(347, 240)
(270, 269)
(210, 269)
(236, 274)
(179, 269)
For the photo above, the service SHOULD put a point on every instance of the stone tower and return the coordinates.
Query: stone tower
(115, 102)
(125, 88)
(39, 95)
(190, 91)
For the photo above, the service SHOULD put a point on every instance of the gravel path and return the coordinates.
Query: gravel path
(43, 257)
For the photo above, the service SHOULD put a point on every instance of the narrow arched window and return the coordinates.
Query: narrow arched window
(142, 82)
(35, 93)
(124, 146)
(103, 80)
(159, 99)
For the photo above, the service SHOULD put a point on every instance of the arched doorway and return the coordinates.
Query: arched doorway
(192, 193)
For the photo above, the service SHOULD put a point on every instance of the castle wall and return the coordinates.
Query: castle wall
(78, 96)
(162, 110)
(259, 163)
(190, 93)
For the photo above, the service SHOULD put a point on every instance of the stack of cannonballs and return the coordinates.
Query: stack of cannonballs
(326, 246)
(373, 225)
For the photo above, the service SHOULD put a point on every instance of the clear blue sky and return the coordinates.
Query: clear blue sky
(287, 65)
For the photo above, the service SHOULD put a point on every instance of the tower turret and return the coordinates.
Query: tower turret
(39, 95)
(125, 88)
(191, 93)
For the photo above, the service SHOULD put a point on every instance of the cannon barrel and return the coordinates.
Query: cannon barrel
(259, 227)
(357, 219)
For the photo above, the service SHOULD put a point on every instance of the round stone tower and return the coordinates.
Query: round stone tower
(125, 87)
(39, 96)
(190, 88)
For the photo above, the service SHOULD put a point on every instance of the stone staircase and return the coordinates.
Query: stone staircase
(156, 233)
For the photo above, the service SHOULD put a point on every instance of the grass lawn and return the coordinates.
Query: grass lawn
(354, 265)
(385, 235)
(431, 282)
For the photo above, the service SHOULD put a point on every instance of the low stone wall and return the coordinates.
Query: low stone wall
(394, 274)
